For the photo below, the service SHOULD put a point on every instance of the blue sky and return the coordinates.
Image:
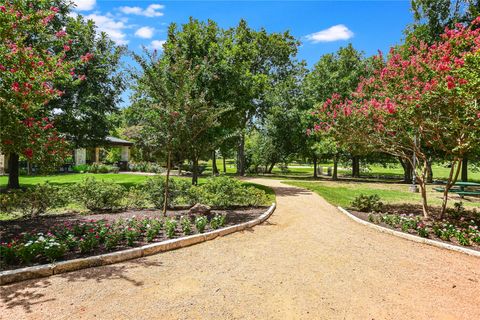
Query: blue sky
(322, 26)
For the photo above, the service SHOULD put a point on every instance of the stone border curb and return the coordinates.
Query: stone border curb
(411, 237)
(45, 270)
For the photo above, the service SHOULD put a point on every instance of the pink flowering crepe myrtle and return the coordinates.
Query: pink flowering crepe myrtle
(423, 97)
(28, 71)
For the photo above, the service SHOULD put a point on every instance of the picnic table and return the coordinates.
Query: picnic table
(463, 188)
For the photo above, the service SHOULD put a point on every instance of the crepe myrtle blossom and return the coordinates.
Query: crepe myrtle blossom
(399, 105)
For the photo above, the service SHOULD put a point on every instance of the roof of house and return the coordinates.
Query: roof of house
(117, 141)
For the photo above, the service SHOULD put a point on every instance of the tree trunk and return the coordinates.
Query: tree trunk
(429, 172)
(452, 178)
(356, 167)
(214, 163)
(224, 164)
(241, 156)
(421, 179)
(407, 171)
(335, 168)
(167, 180)
(315, 173)
(465, 169)
(272, 165)
(13, 168)
(195, 171)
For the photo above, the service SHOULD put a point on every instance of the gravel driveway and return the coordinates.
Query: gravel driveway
(307, 261)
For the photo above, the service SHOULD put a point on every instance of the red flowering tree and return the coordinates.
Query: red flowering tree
(28, 67)
(423, 98)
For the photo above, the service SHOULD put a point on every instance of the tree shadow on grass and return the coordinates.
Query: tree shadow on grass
(27, 294)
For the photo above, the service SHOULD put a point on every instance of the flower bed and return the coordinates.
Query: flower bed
(47, 239)
(459, 229)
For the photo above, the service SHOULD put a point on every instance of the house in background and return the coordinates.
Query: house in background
(87, 155)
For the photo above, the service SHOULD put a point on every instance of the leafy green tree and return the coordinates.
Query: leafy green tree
(83, 113)
(30, 69)
(258, 61)
(337, 73)
(431, 17)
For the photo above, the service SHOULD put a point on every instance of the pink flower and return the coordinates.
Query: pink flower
(15, 87)
(28, 153)
(66, 48)
(3, 9)
(60, 34)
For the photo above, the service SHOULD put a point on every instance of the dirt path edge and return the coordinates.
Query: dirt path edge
(410, 237)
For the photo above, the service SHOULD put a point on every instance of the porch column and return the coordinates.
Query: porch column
(80, 156)
(2, 163)
(97, 154)
(125, 153)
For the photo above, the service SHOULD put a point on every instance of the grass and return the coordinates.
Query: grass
(126, 180)
(302, 171)
(342, 193)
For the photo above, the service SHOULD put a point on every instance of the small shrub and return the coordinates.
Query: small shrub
(201, 223)
(170, 226)
(186, 225)
(217, 221)
(54, 250)
(98, 195)
(136, 198)
(33, 201)
(81, 168)
(365, 203)
(457, 211)
(88, 243)
(131, 235)
(7, 253)
(152, 229)
(225, 191)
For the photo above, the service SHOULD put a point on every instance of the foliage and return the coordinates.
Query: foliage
(98, 195)
(28, 68)
(225, 191)
(33, 201)
(95, 168)
(186, 225)
(170, 227)
(144, 166)
(178, 191)
(201, 223)
(412, 104)
(217, 221)
(366, 203)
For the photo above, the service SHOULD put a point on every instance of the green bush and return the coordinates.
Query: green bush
(33, 201)
(81, 168)
(201, 223)
(178, 191)
(225, 192)
(136, 198)
(170, 226)
(364, 203)
(98, 195)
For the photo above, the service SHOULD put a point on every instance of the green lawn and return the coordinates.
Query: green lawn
(342, 193)
(295, 171)
(127, 180)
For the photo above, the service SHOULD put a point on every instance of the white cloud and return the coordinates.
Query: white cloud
(110, 26)
(151, 11)
(84, 5)
(157, 44)
(145, 32)
(334, 33)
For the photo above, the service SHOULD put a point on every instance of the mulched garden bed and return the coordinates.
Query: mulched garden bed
(14, 229)
(457, 229)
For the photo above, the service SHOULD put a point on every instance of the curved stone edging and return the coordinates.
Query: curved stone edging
(45, 270)
(411, 237)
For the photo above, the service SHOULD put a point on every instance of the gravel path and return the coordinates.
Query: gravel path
(306, 262)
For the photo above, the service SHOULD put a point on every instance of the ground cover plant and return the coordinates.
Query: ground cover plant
(49, 240)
